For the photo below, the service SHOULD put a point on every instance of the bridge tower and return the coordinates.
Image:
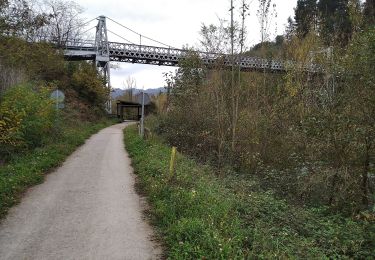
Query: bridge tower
(102, 56)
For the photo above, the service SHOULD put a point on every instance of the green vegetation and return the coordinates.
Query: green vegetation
(34, 137)
(27, 169)
(292, 154)
(307, 136)
(203, 215)
(26, 116)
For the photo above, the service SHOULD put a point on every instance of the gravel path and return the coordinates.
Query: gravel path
(86, 209)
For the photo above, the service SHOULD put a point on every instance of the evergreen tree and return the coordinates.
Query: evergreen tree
(305, 16)
(369, 12)
(335, 23)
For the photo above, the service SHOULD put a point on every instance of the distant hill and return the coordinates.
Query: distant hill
(116, 92)
(138, 98)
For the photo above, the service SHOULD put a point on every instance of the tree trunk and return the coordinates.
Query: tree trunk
(333, 188)
(366, 168)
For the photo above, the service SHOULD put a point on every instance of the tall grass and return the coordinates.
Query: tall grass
(200, 215)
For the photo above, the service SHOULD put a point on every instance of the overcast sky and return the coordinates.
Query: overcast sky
(174, 22)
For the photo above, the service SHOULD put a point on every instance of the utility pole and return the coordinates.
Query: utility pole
(232, 33)
(232, 75)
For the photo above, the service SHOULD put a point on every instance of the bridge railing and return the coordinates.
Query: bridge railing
(79, 44)
(172, 56)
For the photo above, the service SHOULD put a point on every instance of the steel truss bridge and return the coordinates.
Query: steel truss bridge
(102, 52)
(162, 56)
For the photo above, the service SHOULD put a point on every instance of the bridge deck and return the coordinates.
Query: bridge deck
(143, 54)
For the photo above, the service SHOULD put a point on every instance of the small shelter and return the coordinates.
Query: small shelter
(127, 110)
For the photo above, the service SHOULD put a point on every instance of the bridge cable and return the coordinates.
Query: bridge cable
(167, 45)
(88, 30)
(84, 24)
(120, 37)
(82, 33)
(81, 25)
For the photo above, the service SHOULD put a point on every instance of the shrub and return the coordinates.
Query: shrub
(203, 215)
(26, 117)
(89, 86)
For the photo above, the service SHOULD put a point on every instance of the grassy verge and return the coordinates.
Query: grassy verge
(202, 216)
(29, 169)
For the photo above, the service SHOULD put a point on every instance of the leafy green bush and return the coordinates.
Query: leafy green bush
(26, 117)
(89, 86)
(37, 61)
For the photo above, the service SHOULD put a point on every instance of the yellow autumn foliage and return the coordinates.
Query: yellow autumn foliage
(10, 125)
(26, 117)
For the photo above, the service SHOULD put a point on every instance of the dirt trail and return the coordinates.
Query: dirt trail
(86, 209)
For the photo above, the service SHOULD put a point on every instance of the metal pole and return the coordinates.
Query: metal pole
(143, 114)
(232, 74)
(57, 100)
(232, 32)
(108, 78)
(57, 109)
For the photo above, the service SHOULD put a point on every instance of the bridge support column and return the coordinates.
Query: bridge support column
(102, 57)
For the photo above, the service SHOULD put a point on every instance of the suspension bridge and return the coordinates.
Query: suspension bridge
(102, 52)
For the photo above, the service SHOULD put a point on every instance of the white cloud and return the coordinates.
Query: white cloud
(146, 76)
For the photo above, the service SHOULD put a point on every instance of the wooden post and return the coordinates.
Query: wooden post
(172, 163)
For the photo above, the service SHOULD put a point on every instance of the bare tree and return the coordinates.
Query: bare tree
(20, 18)
(226, 37)
(215, 38)
(237, 89)
(265, 14)
(130, 84)
(65, 23)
